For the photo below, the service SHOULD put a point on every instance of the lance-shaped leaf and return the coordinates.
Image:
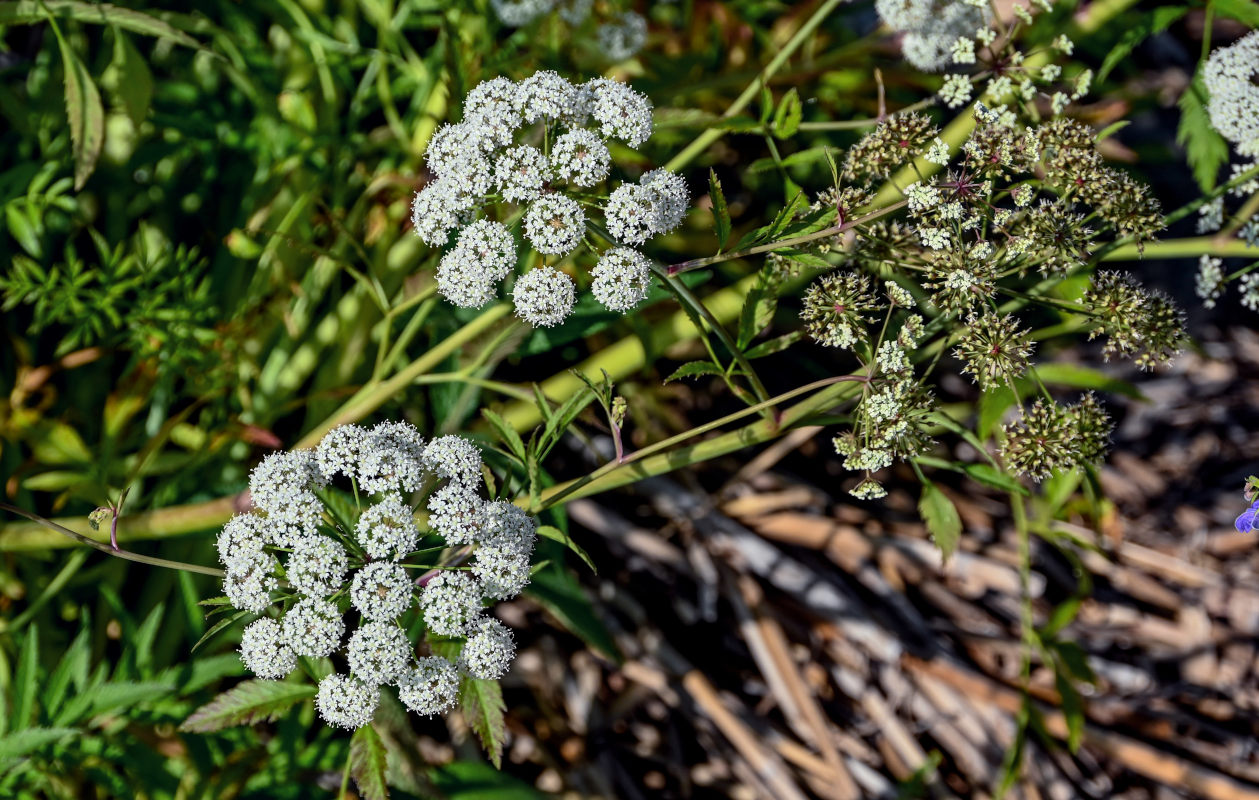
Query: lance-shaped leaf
(368, 762)
(249, 702)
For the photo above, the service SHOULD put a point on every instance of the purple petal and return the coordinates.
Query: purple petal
(1246, 522)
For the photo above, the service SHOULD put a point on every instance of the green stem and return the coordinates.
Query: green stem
(377, 393)
(701, 142)
(1183, 248)
(105, 548)
(697, 263)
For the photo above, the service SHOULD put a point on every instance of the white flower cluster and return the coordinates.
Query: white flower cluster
(619, 37)
(486, 161)
(335, 566)
(1233, 103)
(932, 29)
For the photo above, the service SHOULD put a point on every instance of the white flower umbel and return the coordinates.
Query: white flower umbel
(621, 112)
(1233, 95)
(622, 37)
(378, 653)
(635, 213)
(341, 450)
(502, 571)
(393, 459)
(469, 273)
(516, 13)
(283, 485)
(489, 650)
(455, 458)
(346, 702)
(243, 535)
(555, 224)
(437, 209)
(264, 651)
(544, 297)
(387, 529)
(455, 512)
(507, 525)
(381, 590)
(313, 627)
(622, 279)
(520, 173)
(545, 95)
(316, 567)
(493, 107)
(249, 581)
(430, 686)
(581, 158)
(451, 601)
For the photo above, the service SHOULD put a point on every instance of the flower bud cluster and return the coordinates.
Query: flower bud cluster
(343, 560)
(541, 145)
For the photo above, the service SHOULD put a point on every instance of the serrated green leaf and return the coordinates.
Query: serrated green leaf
(248, 702)
(812, 260)
(695, 369)
(560, 593)
(368, 764)
(721, 211)
(129, 80)
(25, 12)
(1205, 149)
(73, 660)
(482, 704)
(788, 115)
(941, 518)
(23, 742)
(84, 110)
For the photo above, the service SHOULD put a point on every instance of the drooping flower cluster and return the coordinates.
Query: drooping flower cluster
(620, 36)
(313, 555)
(523, 145)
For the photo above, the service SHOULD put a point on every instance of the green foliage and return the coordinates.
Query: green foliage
(941, 518)
(368, 763)
(482, 704)
(1205, 149)
(247, 703)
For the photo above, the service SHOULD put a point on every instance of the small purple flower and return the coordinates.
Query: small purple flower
(1247, 521)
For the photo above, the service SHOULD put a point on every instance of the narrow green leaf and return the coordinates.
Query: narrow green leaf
(248, 702)
(218, 626)
(721, 212)
(556, 535)
(1241, 10)
(695, 369)
(73, 660)
(787, 117)
(940, 516)
(775, 345)
(989, 475)
(1155, 22)
(482, 705)
(1061, 617)
(368, 763)
(84, 110)
(506, 433)
(25, 682)
(1080, 377)
(1072, 709)
(109, 697)
(812, 260)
